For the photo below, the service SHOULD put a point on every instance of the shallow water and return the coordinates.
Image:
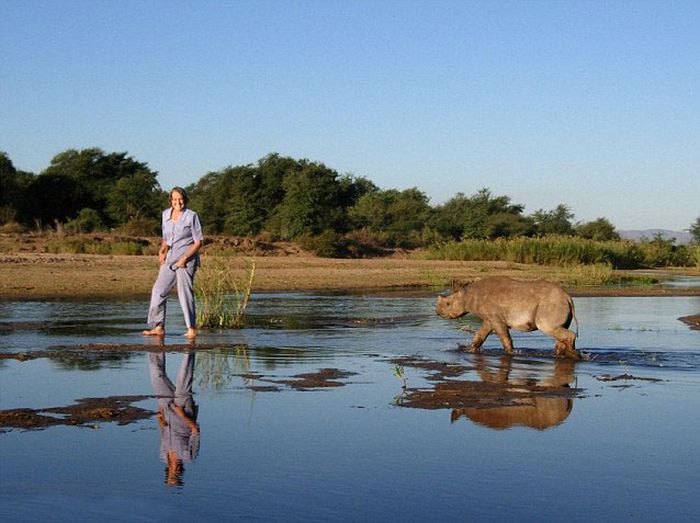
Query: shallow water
(613, 445)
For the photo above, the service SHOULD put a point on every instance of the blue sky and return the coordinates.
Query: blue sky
(595, 104)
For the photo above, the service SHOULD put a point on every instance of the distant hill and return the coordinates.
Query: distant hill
(682, 237)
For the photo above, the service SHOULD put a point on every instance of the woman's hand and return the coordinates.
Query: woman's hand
(182, 262)
(163, 252)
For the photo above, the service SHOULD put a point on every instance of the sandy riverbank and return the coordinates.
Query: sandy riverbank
(57, 276)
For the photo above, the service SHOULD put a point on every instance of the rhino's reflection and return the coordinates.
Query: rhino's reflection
(537, 409)
(509, 391)
(177, 415)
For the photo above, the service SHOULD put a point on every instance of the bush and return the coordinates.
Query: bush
(98, 245)
(7, 214)
(550, 250)
(88, 220)
(328, 244)
(12, 228)
(141, 227)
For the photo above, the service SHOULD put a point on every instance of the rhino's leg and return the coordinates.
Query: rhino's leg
(565, 345)
(480, 336)
(504, 336)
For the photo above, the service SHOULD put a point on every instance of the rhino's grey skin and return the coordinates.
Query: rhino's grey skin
(504, 303)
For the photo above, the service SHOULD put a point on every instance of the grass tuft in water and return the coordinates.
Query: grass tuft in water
(217, 370)
(221, 299)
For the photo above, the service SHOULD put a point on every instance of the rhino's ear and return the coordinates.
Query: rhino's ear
(456, 285)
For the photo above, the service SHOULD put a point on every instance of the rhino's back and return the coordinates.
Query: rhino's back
(500, 293)
(503, 286)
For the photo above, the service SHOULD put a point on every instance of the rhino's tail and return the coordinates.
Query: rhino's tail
(573, 313)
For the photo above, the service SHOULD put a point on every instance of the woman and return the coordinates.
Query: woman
(179, 259)
(177, 415)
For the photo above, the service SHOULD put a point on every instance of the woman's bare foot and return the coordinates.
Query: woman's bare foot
(158, 331)
(190, 334)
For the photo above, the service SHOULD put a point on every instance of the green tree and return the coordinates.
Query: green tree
(135, 196)
(13, 186)
(102, 177)
(556, 221)
(240, 199)
(209, 196)
(481, 215)
(599, 229)
(507, 225)
(310, 204)
(694, 230)
(53, 197)
(398, 215)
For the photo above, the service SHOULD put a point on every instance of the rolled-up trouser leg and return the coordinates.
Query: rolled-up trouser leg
(183, 387)
(185, 293)
(162, 385)
(159, 295)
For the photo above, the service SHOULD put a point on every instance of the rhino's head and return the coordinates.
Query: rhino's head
(451, 306)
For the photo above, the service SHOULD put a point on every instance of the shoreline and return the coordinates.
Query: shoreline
(39, 276)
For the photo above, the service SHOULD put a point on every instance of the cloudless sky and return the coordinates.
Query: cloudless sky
(595, 104)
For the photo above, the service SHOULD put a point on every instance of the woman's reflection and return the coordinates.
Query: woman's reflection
(177, 415)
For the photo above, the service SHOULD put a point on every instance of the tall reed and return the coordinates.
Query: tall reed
(216, 369)
(221, 299)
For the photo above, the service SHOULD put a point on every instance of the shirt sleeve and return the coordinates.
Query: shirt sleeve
(163, 220)
(197, 228)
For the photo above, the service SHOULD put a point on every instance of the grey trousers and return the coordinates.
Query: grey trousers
(175, 434)
(162, 385)
(167, 279)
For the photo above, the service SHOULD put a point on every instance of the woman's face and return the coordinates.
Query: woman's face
(177, 201)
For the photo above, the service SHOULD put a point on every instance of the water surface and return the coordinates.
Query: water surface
(618, 445)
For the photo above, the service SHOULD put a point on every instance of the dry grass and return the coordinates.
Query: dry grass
(40, 276)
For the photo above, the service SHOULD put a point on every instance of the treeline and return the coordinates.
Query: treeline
(82, 191)
(291, 199)
(279, 197)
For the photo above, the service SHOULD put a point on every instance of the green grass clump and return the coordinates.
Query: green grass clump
(603, 274)
(566, 251)
(221, 300)
(96, 245)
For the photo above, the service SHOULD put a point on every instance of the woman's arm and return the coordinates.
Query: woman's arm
(192, 424)
(194, 249)
(163, 251)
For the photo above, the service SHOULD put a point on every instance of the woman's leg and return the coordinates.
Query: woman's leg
(162, 385)
(185, 293)
(159, 296)
(183, 388)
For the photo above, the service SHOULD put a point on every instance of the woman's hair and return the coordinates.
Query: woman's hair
(182, 192)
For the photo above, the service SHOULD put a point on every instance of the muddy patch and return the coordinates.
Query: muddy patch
(324, 378)
(692, 321)
(105, 351)
(625, 377)
(88, 412)
(439, 370)
(112, 324)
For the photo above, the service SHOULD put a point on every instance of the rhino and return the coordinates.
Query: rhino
(504, 303)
